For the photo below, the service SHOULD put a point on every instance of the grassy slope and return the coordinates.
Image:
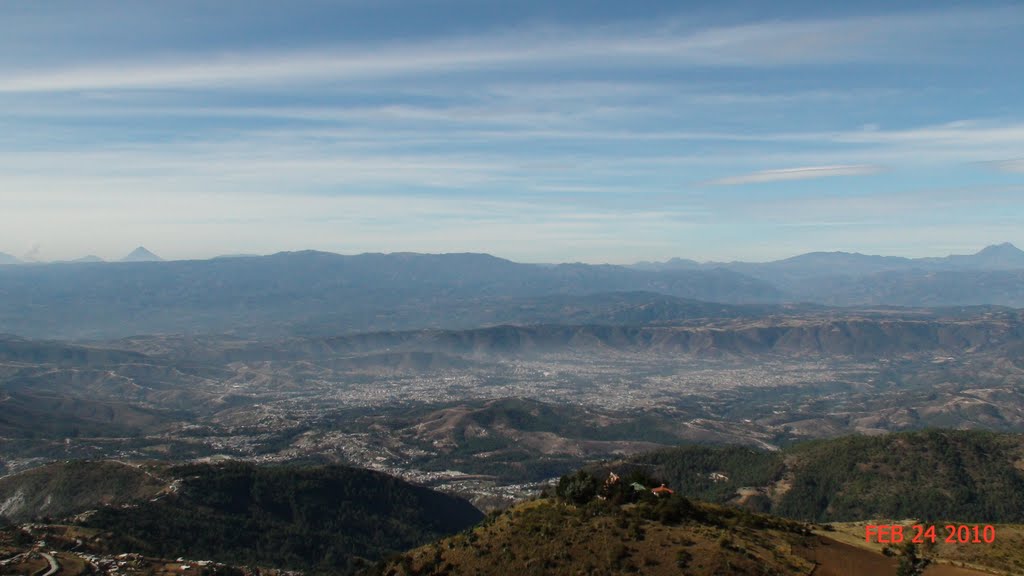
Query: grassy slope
(549, 537)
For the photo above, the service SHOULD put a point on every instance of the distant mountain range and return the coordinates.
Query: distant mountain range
(319, 293)
(88, 259)
(856, 337)
(1003, 256)
(140, 254)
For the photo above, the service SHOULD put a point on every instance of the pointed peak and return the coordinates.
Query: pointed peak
(141, 254)
(1004, 248)
(999, 256)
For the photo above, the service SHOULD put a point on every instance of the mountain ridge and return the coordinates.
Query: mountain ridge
(1002, 254)
(313, 292)
(385, 291)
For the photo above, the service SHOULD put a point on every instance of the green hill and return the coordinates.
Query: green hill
(65, 488)
(933, 474)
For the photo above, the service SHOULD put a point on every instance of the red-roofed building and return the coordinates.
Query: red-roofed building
(662, 491)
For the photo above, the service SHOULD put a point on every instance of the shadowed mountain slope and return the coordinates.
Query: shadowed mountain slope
(323, 518)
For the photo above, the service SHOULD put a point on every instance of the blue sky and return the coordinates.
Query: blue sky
(537, 131)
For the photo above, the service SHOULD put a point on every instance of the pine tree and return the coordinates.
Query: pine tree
(910, 563)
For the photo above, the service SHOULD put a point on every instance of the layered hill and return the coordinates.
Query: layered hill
(60, 390)
(19, 350)
(853, 335)
(1004, 256)
(990, 276)
(920, 288)
(310, 290)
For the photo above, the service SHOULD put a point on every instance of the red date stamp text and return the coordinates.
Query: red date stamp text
(922, 533)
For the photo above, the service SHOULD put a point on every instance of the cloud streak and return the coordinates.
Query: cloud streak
(1015, 165)
(788, 174)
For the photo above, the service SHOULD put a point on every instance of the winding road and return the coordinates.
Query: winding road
(54, 566)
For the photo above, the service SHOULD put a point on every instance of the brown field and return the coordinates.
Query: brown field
(1004, 557)
(948, 570)
(836, 558)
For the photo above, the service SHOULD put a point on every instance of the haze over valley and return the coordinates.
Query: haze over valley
(485, 377)
(449, 287)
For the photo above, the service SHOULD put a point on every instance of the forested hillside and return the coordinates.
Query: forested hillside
(323, 518)
(935, 474)
(319, 518)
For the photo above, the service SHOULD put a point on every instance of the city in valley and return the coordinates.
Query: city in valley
(494, 414)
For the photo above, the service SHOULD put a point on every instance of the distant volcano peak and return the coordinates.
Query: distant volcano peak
(141, 254)
(1004, 248)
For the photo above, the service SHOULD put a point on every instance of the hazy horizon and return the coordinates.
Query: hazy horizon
(697, 258)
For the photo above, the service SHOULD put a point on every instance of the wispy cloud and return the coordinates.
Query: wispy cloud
(541, 141)
(871, 207)
(266, 166)
(1015, 165)
(805, 173)
(765, 44)
(193, 216)
(955, 133)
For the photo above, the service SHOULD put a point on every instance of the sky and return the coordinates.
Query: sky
(532, 130)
